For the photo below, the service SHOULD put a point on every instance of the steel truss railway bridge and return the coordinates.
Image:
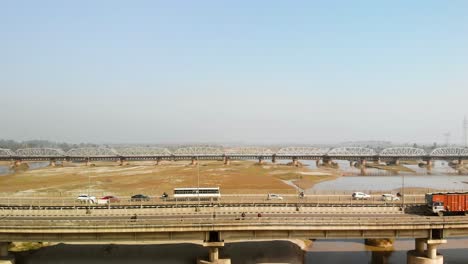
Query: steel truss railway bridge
(326, 155)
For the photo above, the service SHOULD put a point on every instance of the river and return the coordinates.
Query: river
(320, 252)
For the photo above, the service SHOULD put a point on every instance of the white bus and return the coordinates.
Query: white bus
(191, 193)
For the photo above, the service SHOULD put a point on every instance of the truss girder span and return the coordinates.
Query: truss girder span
(449, 152)
(143, 152)
(249, 151)
(198, 151)
(92, 152)
(302, 151)
(6, 153)
(40, 152)
(403, 152)
(352, 152)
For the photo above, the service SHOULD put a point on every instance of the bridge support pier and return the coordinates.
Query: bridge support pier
(429, 165)
(194, 161)
(122, 162)
(227, 160)
(295, 162)
(273, 159)
(52, 163)
(17, 163)
(260, 161)
(429, 256)
(5, 258)
(397, 162)
(327, 162)
(213, 243)
(158, 161)
(317, 163)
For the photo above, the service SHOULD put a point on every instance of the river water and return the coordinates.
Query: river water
(320, 252)
(5, 170)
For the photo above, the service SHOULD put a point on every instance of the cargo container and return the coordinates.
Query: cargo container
(447, 202)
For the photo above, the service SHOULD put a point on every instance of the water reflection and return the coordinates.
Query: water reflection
(320, 252)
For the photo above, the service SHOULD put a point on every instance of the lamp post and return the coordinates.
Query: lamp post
(403, 191)
(198, 181)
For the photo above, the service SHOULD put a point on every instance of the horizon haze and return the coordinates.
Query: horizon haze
(254, 72)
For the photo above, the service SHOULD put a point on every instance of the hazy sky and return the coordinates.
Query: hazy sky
(233, 71)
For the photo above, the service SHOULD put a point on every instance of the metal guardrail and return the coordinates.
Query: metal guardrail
(317, 199)
(249, 220)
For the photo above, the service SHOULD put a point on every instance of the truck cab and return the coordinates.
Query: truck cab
(438, 208)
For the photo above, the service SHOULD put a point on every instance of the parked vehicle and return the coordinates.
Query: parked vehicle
(390, 197)
(108, 199)
(139, 198)
(447, 202)
(85, 198)
(274, 196)
(360, 196)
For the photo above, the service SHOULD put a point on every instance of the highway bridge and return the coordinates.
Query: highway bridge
(215, 225)
(326, 155)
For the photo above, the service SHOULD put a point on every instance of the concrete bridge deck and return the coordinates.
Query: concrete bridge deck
(227, 224)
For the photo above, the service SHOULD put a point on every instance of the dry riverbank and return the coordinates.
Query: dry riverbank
(145, 177)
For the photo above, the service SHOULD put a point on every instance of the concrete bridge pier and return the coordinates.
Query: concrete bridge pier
(317, 163)
(327, 162)
(295, 162)
(213, 243)
(17, 163)
(52, 163)
(260, 160)
(5, 258)
(363, 170)
(397, 162)
(429, 166)
(87, 162)
(194, 161)
(158, 161)
(122, 162)
(227, 160)
(273, 159)
(429, 256)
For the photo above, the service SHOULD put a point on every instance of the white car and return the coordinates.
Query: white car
(390, 197)
(84, 198)
(273, 196)
(360, 196)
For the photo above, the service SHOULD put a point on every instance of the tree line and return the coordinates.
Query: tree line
(15, 145)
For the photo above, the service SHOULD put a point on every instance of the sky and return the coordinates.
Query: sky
(255, 72)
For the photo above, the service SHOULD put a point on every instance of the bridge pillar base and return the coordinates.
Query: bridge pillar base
(214, 254)
(52, 163)
(5, 258)
(430, 256)
(17, 163)
(415, 257)
(227, 161)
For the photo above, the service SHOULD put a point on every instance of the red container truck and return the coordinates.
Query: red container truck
(447, 202)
